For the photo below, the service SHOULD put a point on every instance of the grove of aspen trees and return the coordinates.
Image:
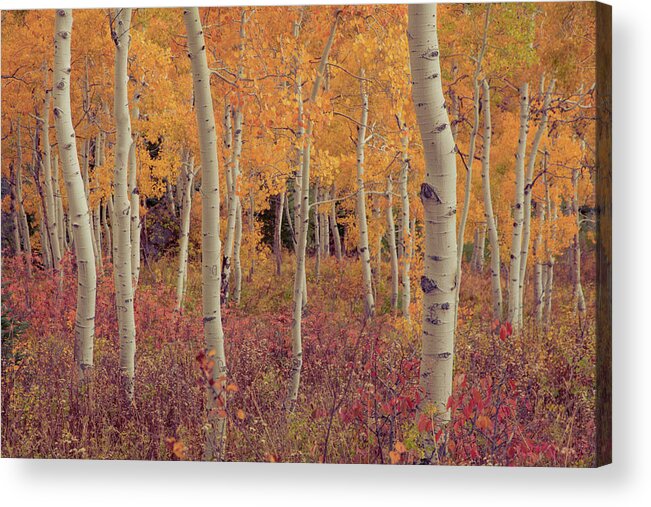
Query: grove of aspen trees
(336, 234)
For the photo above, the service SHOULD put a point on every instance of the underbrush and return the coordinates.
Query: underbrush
(525, 399)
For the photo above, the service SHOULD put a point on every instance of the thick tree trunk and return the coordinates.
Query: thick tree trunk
(122, 225)
(518, 215)
(493, 239)
(302, 226)
(526, 226)
(77, 203)
(210, 244)
(438, 194)
(186, 208)
(393, 252)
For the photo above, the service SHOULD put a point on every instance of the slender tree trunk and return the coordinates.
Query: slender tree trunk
(336, 238)
(438, 194)
(18, 249)
(77, 203)
(210, 244)
(108, 214)
(186, 208)
(578, 288)
(539, 270)
(22, 216)
(237, 291)
(58, 204)
(278, 227)
(518, 215)
(97, 227)
(317, 234)
(364, 252)
(134, 198)
(302, 226)
(405, 230)
(391, 240)
(471, 160)
(122, 225)
(526, 226)
(493, 239)
(50, 206)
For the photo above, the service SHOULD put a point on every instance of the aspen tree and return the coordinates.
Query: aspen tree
(134, 198)
(121, 25)
(471, 159)
(97, 227)
(336, 238)
(317, 234)
(77, 204)
(237, 291)
(496, 280)
(579, 298)
(14, 213)
(302, 226)
(518, 215)
(210, 243)
(50, 206)
(58, 204)
(278, 227)
(186, 208)
(405, 231)
(391, 240)
(18, 186)
(438, 194)
(364, 252)
(531, 162)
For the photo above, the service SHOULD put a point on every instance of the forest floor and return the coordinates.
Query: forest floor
(525, 399)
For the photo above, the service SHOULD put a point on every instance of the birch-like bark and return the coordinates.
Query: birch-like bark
(334, 228)
(77, 203)
(134, 198)
(471, 160)
(362, 223)
(518, 215)
(58, 204)
(526, 226)
(579, 297)
(539, 271)
(50, 206)
(278, 227)
(108, 214)
(210, 243)
(97, 229)
(122, 225)
(302, 226)
(391, 240)
(237, 263)
(438, 194)
(22, 216)
(317, 234)
(186, 208)
(493, 239)
(405, 230)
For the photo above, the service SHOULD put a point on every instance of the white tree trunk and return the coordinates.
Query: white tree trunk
(362, 223)
(405, 231)
(438, 194)
(237, 290)
(77, 204)
(579, 297)
(186, 208)
(278, 227)
(493, 239)
(23, 225)
(122, 225)
(50, 204)
(526, 226)
(518, 215)
(302, 226)
(210, 244)
(134, 197)
(393, 251)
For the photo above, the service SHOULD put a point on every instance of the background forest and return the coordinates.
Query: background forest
(306, 340)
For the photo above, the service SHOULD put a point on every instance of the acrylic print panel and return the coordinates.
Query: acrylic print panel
(329, 234)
